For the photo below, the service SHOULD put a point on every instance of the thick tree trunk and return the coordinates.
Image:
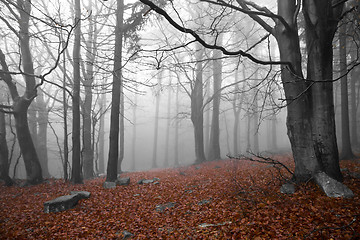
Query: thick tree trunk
(4, 153)
(21, 105)
(76, 133)
(27, 147)
(320, 28)
(298, 115)
(116, 88)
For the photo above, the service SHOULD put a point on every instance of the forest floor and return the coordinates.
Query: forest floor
(228, 199)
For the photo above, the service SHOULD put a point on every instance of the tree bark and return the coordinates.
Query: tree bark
(320, 27)
(214, 148)
(297, 97)
(111, 175)
(4, 153)
(76, 176)
(156, 123)
(167, 134)
(346, 151)
(42, 119)
(197, 116)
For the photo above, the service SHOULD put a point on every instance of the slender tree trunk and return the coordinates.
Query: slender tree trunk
(4, 153)
(66, 143)
(76, 176)
(133, 145)
(102, 134)
(88, 152)
(176, 151)
(116, 96)
(236, 106)
(122, 130)
(346, 151)
(354, 78)
(214, 150)
(156, 123)
(43, 119)
(167, 134)
(256, 121)
(197, 114)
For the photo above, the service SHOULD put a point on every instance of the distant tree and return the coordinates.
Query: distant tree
(156, 119)
(346, 150)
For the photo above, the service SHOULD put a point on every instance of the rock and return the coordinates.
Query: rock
(123, 181)
(197, 167)
(182, 173)
(217, 166)
(204, 201)
(287, 188)
(61, 203)
(109, 185)
(127, 235)
(83, 194)
(146, 181)
(332, 187)
(164, 206)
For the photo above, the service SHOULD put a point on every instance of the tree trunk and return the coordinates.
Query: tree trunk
(76, 166)
(214, 148)
(320, 27)
(101, 135)
(176, 142)
(4, 153)
(167, 134)
(197, 116)
(297, 98)
(43, 119)
(122, 130)
(346, 151)
(133, 145)
(66, 142)
(27, 147)
(116, 92)
(156, 123)
(21, 106)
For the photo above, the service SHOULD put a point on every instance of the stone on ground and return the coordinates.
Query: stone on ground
(65, 202)
(332, 187)
(287, 188)
(123, 181)
(109, 185)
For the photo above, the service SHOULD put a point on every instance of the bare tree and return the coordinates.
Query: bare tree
(310, 123)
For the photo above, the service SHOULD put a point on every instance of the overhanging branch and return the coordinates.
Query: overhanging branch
(211, 46)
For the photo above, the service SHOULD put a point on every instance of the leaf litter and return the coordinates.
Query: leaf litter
(228, 199)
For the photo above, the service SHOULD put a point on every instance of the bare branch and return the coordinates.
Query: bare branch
(210, 46)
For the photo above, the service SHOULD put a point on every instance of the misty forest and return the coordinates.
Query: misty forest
(193, 119)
